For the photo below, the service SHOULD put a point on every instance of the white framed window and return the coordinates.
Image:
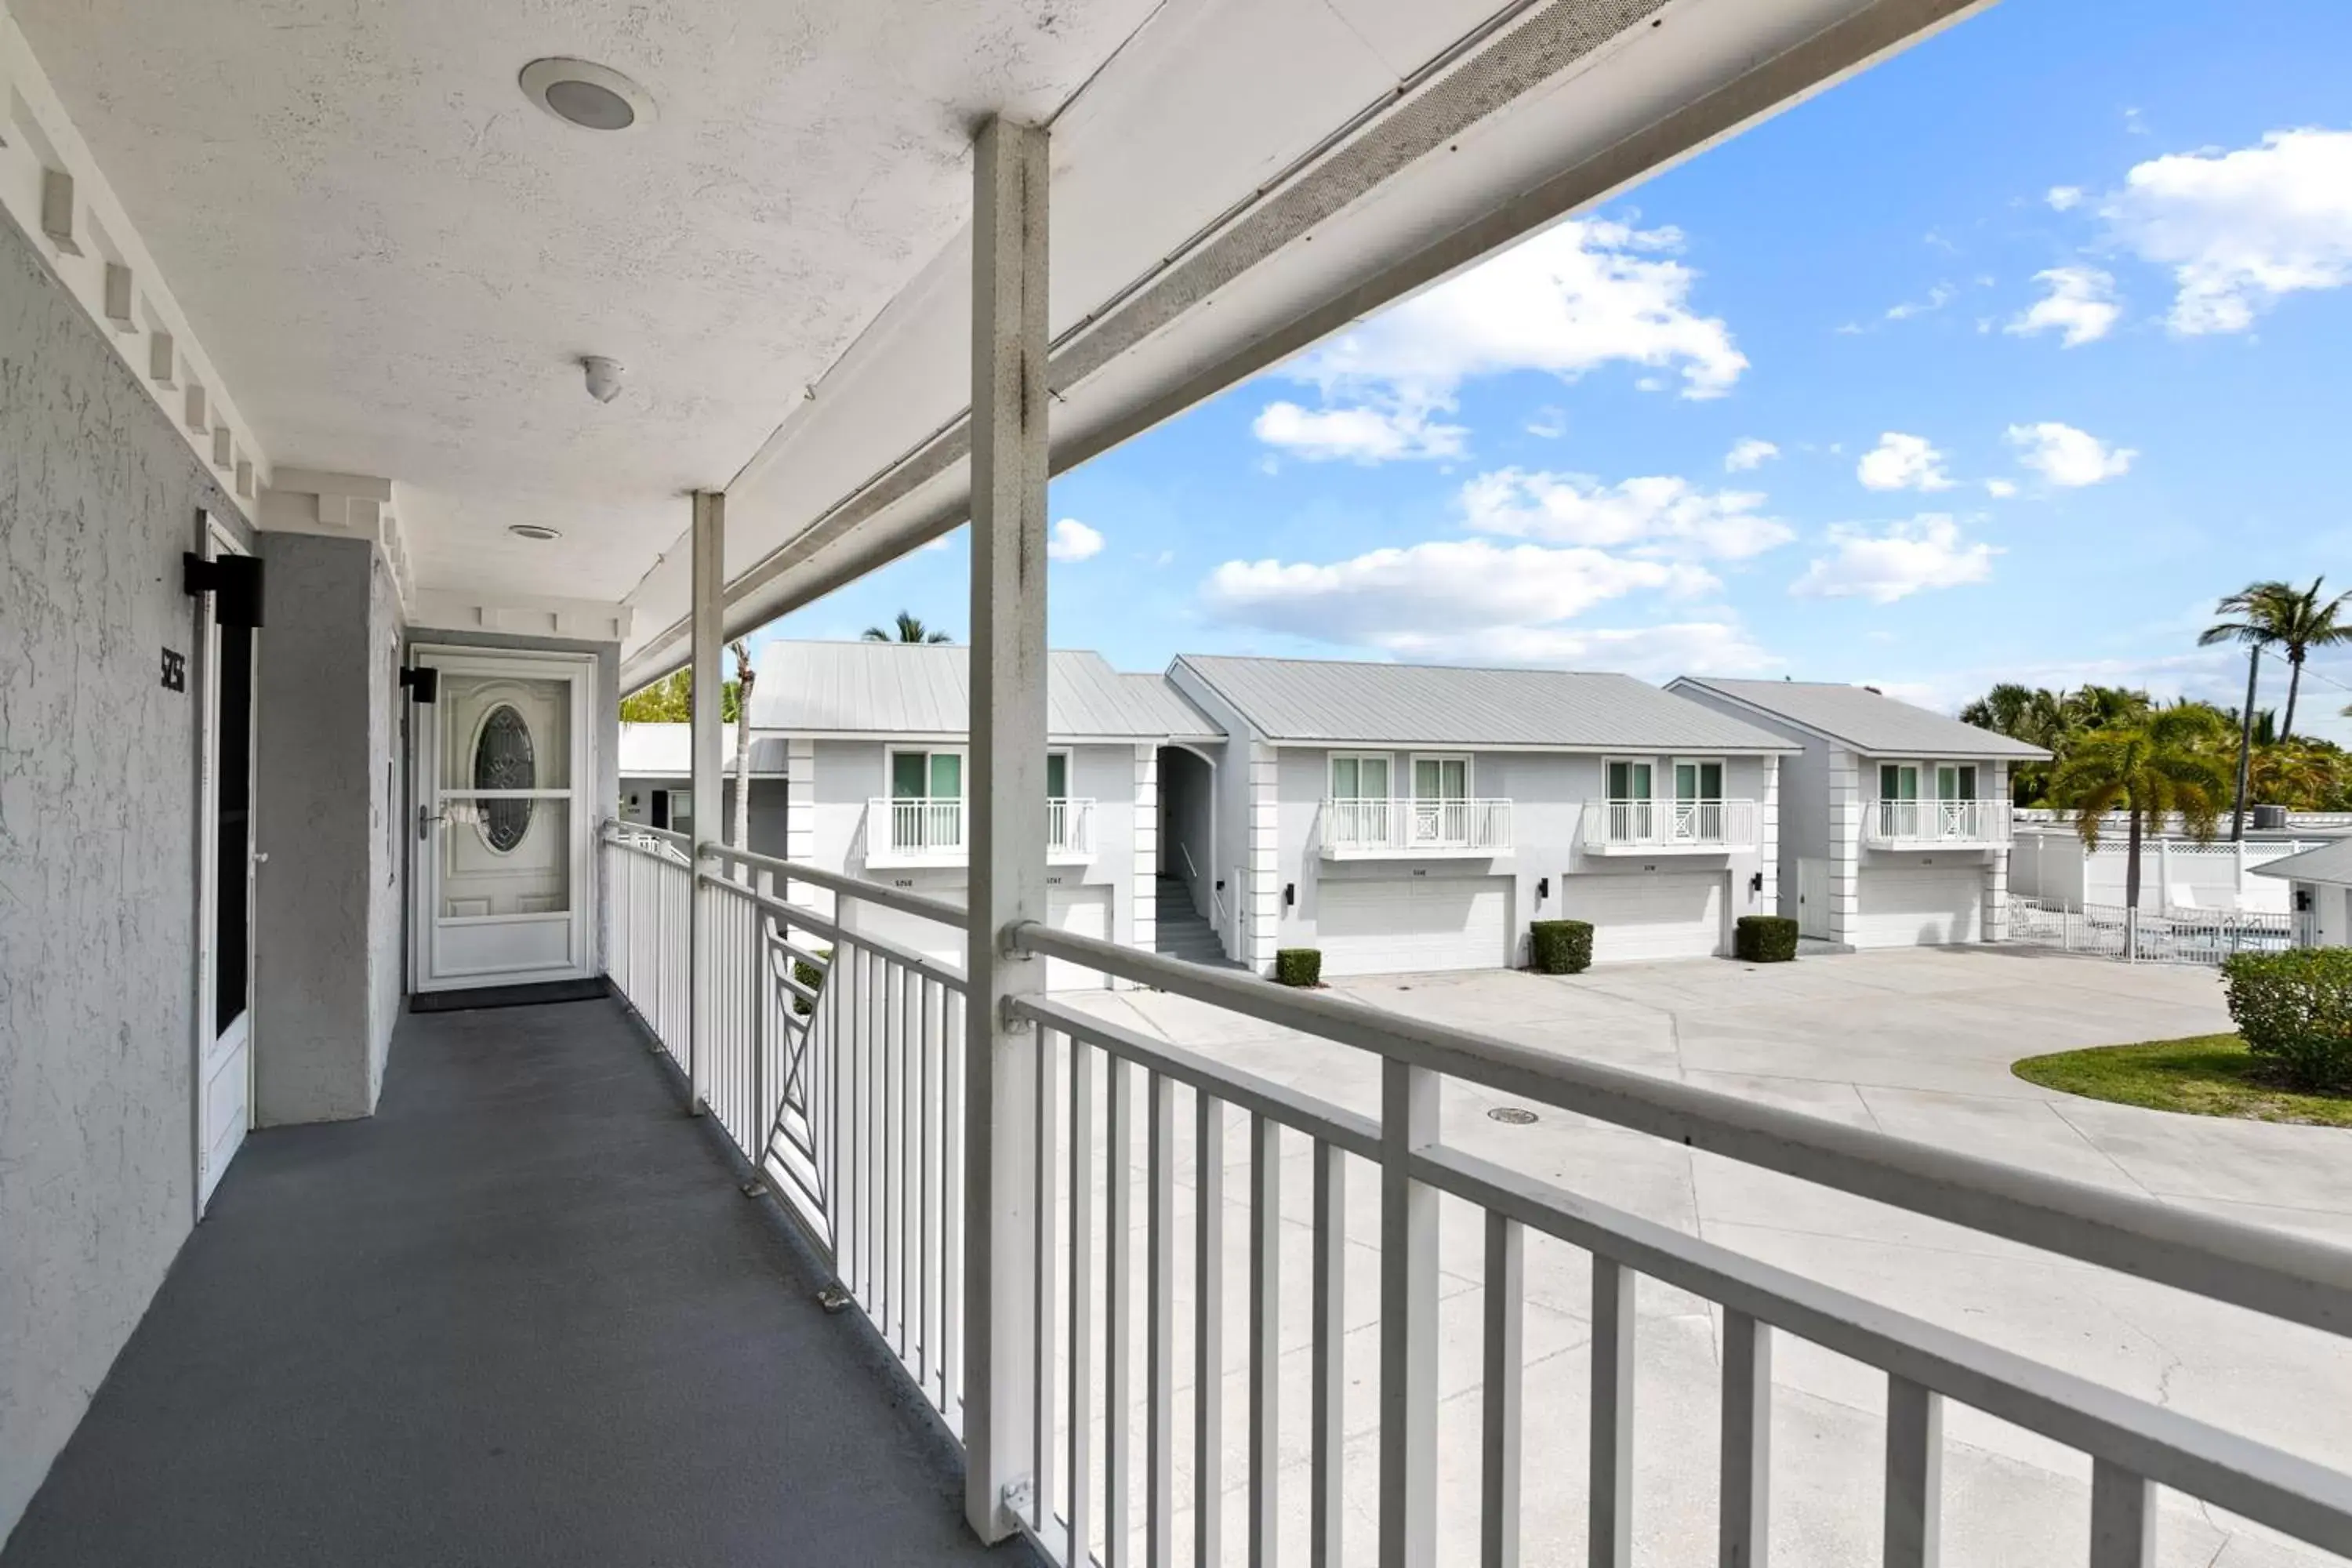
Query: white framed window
(1058, 775)
(1629, 778)
(1359, 775)
(917, 773)
(1898, 781)
(1441, 777)
(1699, 778)
(1955, 781)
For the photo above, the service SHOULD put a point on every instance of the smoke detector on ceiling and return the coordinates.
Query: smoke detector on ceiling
(583, 93)
(602, 376)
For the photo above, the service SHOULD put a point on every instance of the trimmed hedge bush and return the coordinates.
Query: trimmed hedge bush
(2294, 1008)
(1298, 966)
(809, 975)
(1560, 947)
(1764, 939)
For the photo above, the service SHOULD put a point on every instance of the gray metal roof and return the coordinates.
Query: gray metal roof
(666, 752)
(1869, 722)
(1438, 705)
(917, 688)
(2328, 863)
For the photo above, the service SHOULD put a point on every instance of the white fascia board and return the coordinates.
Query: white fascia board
(1379, 214)
(37, 141)
(582, 620)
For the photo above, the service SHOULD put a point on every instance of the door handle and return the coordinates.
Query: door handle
(260, 857)
(424, 819)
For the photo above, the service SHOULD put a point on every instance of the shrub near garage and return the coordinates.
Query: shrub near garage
(1764, 939)
(1560, 947)
(1298, 966)
(2295, 1009)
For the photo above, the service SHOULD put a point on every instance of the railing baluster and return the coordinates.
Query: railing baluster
(1208, 1330)
(1915, 1474)
(1611, 1494)
(1747, 1441)
(1498, 1493)
(1408, 1496)
(1328, 1339)
(933, 1191)
(1160, 1338)
(1266, 1336)
(1082, 1278)
(892, 1190)
(951, 1092)
(1048, 1254)
(2123, 1518)
(1118, 1379)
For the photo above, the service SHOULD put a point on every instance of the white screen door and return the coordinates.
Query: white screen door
(224, 1106)
(504, 820)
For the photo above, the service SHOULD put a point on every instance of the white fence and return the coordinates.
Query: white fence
(1405, 826)
(2179, 936)
(1669, 824)
(2177, 875)
(853, 1114)
(910, 831)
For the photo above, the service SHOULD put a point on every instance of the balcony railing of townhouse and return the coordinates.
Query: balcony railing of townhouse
(1909, 822)
(1352, 828)
(836, 1062)
(1649, 826)
(911, 832)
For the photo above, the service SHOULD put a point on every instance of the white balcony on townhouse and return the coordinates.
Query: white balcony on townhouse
(1382, 829)
(1669, 827)
(904, 831)
(1936, 823)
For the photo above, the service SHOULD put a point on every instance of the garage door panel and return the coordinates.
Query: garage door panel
(1084, 909)
(1912, 906)
(1650, 917)
(1412, 925)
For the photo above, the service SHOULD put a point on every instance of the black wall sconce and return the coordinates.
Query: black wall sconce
(233, 580)
(2302, 900)
(1756, 883)
(423, 684)
(1221, 884)
(1289, 894)
(1543, 887)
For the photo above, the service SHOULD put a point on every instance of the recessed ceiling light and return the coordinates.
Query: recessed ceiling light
(531, 531)
(582, 93)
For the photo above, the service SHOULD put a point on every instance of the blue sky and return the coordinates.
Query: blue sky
(2045, 324)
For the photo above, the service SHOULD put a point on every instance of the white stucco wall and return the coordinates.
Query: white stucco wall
(98, 497)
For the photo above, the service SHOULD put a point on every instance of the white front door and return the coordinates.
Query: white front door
(1813, 896)
(224, 1098)
(505, 820)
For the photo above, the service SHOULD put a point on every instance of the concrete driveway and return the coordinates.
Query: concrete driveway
(1916, 1043)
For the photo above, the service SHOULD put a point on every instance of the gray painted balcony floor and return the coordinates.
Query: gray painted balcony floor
(521, 1316)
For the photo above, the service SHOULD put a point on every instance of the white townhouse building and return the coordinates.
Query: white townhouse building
(1403, 818)
(657, 769)
(875, 740)
(1894, 819)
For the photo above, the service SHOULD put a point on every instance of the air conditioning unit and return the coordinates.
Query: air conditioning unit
(2270, 818)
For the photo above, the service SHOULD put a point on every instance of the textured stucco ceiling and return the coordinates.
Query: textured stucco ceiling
(395, 259)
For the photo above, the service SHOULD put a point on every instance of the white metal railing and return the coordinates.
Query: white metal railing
(1669, 824)
(845, 1093)
(1936, 822)
(1408, 827)
(648, 887)
(2172, 936)
(907, 829)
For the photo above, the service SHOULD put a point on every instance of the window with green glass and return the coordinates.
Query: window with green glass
(926, 776)
(1058, 775)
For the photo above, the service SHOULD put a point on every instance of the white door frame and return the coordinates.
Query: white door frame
(205, 1036)
(424, 747)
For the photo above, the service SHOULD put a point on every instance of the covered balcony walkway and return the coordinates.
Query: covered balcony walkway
(521, 1316)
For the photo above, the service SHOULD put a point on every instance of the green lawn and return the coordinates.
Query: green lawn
(2205, 1075)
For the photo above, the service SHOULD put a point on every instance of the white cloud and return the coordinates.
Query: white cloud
(1749, 452)
(2000, 489)
(2065, 455)
(1660, 652)
(2065, 199)
(1385, 598)
(1070, 540)
(1900, 462)
(1938, 297)
(1364, 434)
(2239, 229)
(1659, 515)
(1926, 552)
(1550, 424)
(1584, 294)
(2080, 306)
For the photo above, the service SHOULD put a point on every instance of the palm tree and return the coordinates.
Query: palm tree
(909, 630)
(738, 835)
(2150, 770)
(2310, 623)
(2260, 610)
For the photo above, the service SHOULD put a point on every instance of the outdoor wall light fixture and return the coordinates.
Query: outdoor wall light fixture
(1756, 882)
(424, 683)
(1543, 887)
(583, 93)
(1289, 894)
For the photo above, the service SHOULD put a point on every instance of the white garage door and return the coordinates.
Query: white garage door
(1910, 906)
(1083, 910)
(1650, 916)
(1411, 924)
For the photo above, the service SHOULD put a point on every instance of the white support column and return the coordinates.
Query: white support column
(1008, 812)
(1408, 1498)
(1265, 844)
(1144, 900)
(1847, 806)
(710, 546)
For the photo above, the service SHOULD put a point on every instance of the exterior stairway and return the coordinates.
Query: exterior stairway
(1181, 932)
